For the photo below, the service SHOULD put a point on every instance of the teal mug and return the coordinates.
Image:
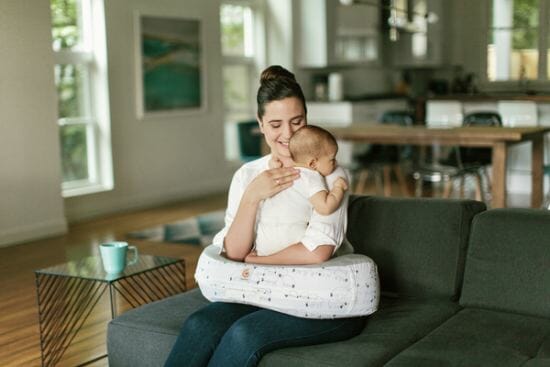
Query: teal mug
(113, 256)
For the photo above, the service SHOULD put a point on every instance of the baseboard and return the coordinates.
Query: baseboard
(26, 233)
(143, 201)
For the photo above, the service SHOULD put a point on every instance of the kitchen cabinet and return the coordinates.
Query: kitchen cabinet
(422, 45)
(332, 34)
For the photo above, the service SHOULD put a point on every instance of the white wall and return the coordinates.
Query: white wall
(468, 34)
(162, 159)
(30, 199)
(155, 161)
(279, 35)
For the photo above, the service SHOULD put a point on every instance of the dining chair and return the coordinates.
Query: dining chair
(250, 142)
(475, 161)
(518, 114)
(381, 161)
(431, 167)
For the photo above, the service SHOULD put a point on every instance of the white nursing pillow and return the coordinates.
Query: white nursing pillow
(345, 286)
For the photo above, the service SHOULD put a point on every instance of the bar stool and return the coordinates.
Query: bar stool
(546, 202)
(382, 160)
(250, 143)
(518, 114)
(475, 161)
(439, 114)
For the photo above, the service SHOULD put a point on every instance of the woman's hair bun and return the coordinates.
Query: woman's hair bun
(275, 72)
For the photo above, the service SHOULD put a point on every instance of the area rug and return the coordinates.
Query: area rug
(199, 230)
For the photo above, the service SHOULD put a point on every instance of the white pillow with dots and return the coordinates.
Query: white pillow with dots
(344, 286)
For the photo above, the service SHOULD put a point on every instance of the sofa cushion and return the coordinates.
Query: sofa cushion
(478, 337)
(508, 262)
(144, 336)
(418, 244)
(396, 325)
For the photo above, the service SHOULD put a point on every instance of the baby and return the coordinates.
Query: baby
(284, 217)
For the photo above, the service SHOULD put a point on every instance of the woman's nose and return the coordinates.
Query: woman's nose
(287, 131)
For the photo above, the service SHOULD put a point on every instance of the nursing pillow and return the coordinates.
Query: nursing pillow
(344, 286)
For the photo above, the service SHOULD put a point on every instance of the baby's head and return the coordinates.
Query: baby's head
(314, 147)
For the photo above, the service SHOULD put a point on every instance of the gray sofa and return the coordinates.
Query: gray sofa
(461, 286)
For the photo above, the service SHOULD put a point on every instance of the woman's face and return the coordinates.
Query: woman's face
(281, 119)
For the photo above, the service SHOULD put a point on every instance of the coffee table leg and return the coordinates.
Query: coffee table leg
(153, 285)
(112, 300)
(64, 305)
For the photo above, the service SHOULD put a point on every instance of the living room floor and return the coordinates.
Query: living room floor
(19, 328)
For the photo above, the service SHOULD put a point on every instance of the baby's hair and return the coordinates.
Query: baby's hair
(310, 141)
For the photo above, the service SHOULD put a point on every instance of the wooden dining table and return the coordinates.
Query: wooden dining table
(496, 138)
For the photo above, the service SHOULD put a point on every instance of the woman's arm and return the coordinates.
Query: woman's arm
(296, 254)
(240, 236)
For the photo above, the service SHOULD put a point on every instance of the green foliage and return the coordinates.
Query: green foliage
(65, 30)
(525, 24)
(65, 33)
(526, 19)
(232, 29)
(65, 36)
(69, 87)
(74, 155)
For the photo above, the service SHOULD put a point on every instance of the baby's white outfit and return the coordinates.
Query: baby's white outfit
(284, 217)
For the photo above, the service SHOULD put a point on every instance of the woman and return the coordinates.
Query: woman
(228, 334)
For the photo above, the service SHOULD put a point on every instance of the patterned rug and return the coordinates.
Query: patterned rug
(199, 230)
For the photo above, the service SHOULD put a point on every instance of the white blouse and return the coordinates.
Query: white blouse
(322, 229)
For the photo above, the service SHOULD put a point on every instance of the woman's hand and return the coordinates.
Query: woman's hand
(296, 254)
(275, 163)
(251, 257)
(270, 182)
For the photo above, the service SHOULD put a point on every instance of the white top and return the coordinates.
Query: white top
(322, 229)
(284, 217)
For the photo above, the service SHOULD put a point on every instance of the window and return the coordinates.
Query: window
(517, 47)
(241, 36)
(81, 82)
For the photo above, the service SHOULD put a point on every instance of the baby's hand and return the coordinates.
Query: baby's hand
(341, 183)
(275, 163)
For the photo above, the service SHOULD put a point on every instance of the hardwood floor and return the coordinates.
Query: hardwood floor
(19, 330)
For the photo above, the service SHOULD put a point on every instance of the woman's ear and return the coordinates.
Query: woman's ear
(260, 124)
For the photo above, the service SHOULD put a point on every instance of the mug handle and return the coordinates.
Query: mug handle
(135, 255)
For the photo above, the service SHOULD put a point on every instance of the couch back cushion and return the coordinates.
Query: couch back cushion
(508, 262)
(419, 245)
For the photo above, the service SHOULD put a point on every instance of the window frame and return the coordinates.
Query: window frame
(543, 45)
(256, 61)
(254, 64)
(91, 55)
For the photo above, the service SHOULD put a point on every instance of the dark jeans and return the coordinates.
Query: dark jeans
(231, 334)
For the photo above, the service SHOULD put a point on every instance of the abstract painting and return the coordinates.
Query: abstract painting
(171, 68)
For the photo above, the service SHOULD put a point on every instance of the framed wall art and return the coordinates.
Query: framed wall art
(170, 68)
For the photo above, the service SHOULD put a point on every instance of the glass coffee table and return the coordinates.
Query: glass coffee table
(68, 293)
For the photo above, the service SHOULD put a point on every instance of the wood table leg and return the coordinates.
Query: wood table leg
(386, 170)
(499, 175)
(401, 180)
(536, 169)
